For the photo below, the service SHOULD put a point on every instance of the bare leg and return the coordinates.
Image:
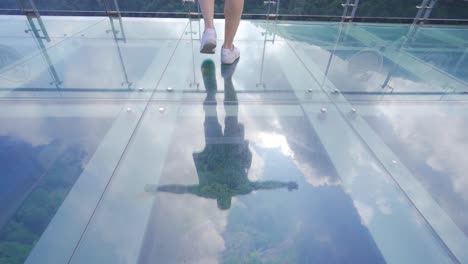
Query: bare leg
(232, 13)
(207, 7)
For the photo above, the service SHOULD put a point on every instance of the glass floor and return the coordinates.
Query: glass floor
(324, 143)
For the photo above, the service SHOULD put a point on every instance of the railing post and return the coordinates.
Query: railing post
(189, 7)
(113, 12)
(40, 33)
(33, 16)
(267, 33)
(348, 15)
(424, 11)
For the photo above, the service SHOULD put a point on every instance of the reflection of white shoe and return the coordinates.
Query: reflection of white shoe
(227, 70)
(208, 41)
(229, 56)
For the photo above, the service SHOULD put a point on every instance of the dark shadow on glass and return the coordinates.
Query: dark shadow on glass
(224, 163)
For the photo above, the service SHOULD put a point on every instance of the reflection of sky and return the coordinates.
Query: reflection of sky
(432, 141)
(315, 223)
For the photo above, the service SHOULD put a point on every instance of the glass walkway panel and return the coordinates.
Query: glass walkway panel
(327, 142)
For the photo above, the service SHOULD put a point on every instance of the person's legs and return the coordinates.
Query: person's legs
(208, 40)
(232, 13)
(207, 7)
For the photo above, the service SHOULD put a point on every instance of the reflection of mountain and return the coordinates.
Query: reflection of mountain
(40, 160)
(37, 180)
(20, 170)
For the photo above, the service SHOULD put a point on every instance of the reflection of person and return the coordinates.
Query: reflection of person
(232, 13)
(223, 165)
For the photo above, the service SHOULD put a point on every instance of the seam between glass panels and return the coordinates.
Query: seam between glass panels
(122, 156)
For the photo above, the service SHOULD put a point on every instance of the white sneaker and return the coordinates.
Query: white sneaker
(208, 41)
(229, 56)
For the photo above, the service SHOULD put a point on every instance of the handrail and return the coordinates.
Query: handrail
(290, 17)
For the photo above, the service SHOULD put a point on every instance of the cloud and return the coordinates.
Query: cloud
(440, 139)
(365, 212)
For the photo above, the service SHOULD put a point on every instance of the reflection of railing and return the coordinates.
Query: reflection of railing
(424, 11)
(349, 14)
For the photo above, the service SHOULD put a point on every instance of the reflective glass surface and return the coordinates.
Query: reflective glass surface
(325, 142)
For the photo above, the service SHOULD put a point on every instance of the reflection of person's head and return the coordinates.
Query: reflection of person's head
(208, 67)
(224, 202)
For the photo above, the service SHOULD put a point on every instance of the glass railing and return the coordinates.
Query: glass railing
(285, 9)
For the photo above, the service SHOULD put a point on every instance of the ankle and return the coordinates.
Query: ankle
(209, 27)
(228, 46)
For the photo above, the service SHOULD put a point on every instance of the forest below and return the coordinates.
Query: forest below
(367, 8)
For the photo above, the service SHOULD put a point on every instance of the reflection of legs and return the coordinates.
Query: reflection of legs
(211, 125)
(209, 80)
(213, 132)
(232, 13)
(227, 71)
(207, 7)
(232, 127)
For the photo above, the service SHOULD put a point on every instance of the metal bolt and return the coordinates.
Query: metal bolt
(353, 110)
(323, 110)
(394, 162)
(140, 89)
(310, 90)
(162, 110)
(336, 91)
(169, 89)
(129, 109)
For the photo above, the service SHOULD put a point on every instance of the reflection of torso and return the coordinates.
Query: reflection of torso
(226, 162)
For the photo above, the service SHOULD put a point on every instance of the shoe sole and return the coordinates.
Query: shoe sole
(230, 62)
(208, 48)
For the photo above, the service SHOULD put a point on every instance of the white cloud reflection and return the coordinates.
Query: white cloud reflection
(435, 134)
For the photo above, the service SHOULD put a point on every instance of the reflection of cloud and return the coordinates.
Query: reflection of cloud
(366, 77)
(256, 171)
(271, 140)
(365, 212)
(441, 139)
(31, 132)
(313, 176)
(384, 206)
(187, 234)
(274, 141)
